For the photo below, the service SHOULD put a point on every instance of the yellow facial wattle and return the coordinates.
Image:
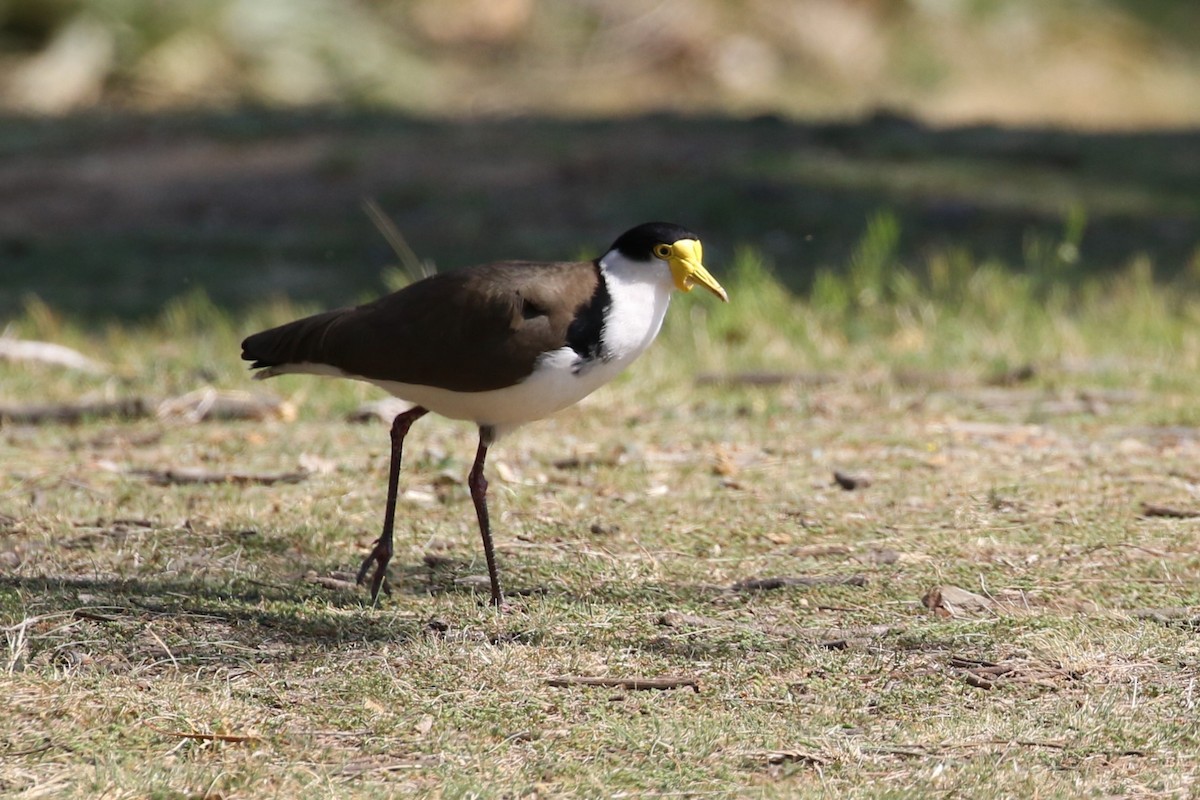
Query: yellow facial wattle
(687, 268)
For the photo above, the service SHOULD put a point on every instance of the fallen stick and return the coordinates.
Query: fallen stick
(196, 475)
(633, 684)
(71, 413)
(218, 405)
(198, 406)
(763, 584)
(785, 756)
(1018, 742)
(1165, 614)
(32, 751)
(978, 681)
(48, 353)
(347, 584)
(903, 751)
(1170, 512)
(764, 379)
(205, 737)
(986, 671)
(95, 616)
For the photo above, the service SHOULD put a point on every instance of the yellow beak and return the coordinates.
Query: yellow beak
(688, 270)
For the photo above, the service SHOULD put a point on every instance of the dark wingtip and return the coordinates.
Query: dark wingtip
(295, 342)
(252, 350)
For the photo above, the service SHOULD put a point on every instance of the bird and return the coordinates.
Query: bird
(498, 344)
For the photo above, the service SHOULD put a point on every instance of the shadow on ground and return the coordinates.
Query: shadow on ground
(107, 622)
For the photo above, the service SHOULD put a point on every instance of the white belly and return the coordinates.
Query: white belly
(553, 385)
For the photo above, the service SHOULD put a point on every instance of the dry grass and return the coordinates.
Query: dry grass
(195, 641)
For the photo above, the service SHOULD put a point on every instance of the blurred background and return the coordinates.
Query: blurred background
(1094, 63)
(155, 149)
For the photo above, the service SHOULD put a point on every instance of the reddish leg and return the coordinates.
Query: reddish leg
(478, 484)
(381, 554)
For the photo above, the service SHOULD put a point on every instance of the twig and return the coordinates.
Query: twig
(978, 665)
(195, 475)
(1028, 743)
(904, 751)
(197, 406)
(163, 645)
(414, 268)
(205, 737)
(633, 684)
(1189, 477)
(48, 353)
(971, 679)
(1171, 512)
(32, 751)
(85, 613)
(785, 756)
(1129, 545)
(330, 582)
(763, 584)
(71, 413)
(213, 404)
(1167, 614)
(27, 621)
(764, 379)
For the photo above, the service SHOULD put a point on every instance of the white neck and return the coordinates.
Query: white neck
(640, 295)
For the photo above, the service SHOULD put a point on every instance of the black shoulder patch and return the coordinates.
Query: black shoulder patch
(584, 332)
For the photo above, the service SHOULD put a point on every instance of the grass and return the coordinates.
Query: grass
(170, 642)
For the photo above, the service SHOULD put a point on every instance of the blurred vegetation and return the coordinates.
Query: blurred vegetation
(1093, 62)
(112, 217)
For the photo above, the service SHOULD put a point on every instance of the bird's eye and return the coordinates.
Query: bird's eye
(662, 250)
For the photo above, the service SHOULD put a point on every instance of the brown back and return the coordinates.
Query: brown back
(469, 330)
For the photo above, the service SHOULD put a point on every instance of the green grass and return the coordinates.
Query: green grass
(654, 496)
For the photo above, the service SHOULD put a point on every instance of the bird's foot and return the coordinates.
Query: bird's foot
(505, 606)
(380, 555)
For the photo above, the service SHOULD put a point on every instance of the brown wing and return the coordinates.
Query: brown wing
(469, 330)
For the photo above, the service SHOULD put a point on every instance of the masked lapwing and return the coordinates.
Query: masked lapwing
(498, 344)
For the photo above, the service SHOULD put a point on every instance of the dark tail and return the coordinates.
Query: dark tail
(299, 342)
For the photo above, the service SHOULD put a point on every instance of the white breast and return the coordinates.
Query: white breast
(640, 295)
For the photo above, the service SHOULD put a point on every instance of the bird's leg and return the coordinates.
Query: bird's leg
(381, 554)
(479, 484)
